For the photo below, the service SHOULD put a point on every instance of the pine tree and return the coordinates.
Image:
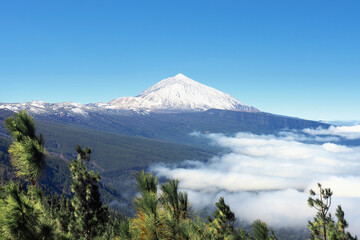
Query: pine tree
(27, 152)
(223, 220)
(59, 209)
(147, 224)
(21, 214)
(124, 230)
(261, 231)
(175, 201)
(90, 216)
(175, 204)
(341, 224)
(323, 226)
(322, 204)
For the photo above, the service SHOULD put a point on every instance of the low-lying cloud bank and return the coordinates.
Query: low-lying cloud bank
(269, 176)
(348, 132)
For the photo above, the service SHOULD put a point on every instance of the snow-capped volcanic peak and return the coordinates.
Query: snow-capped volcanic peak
(180, 93)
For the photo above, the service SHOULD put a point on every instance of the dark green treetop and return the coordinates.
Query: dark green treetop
(27, 152)
(90, 215)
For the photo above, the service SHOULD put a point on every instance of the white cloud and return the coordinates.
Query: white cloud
(348, 132)
(331, 147)
(268, 176)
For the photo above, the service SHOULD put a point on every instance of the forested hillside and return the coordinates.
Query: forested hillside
(117, 157)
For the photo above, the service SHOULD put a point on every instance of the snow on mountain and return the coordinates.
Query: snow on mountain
(178, 93)
(39, 107)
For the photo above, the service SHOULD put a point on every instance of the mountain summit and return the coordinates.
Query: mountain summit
(180, 93)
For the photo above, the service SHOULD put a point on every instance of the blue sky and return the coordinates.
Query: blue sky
(296, 58)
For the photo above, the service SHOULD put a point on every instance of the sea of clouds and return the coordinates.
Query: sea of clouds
(268, 177)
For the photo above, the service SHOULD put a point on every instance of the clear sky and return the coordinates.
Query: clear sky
(296, 58)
